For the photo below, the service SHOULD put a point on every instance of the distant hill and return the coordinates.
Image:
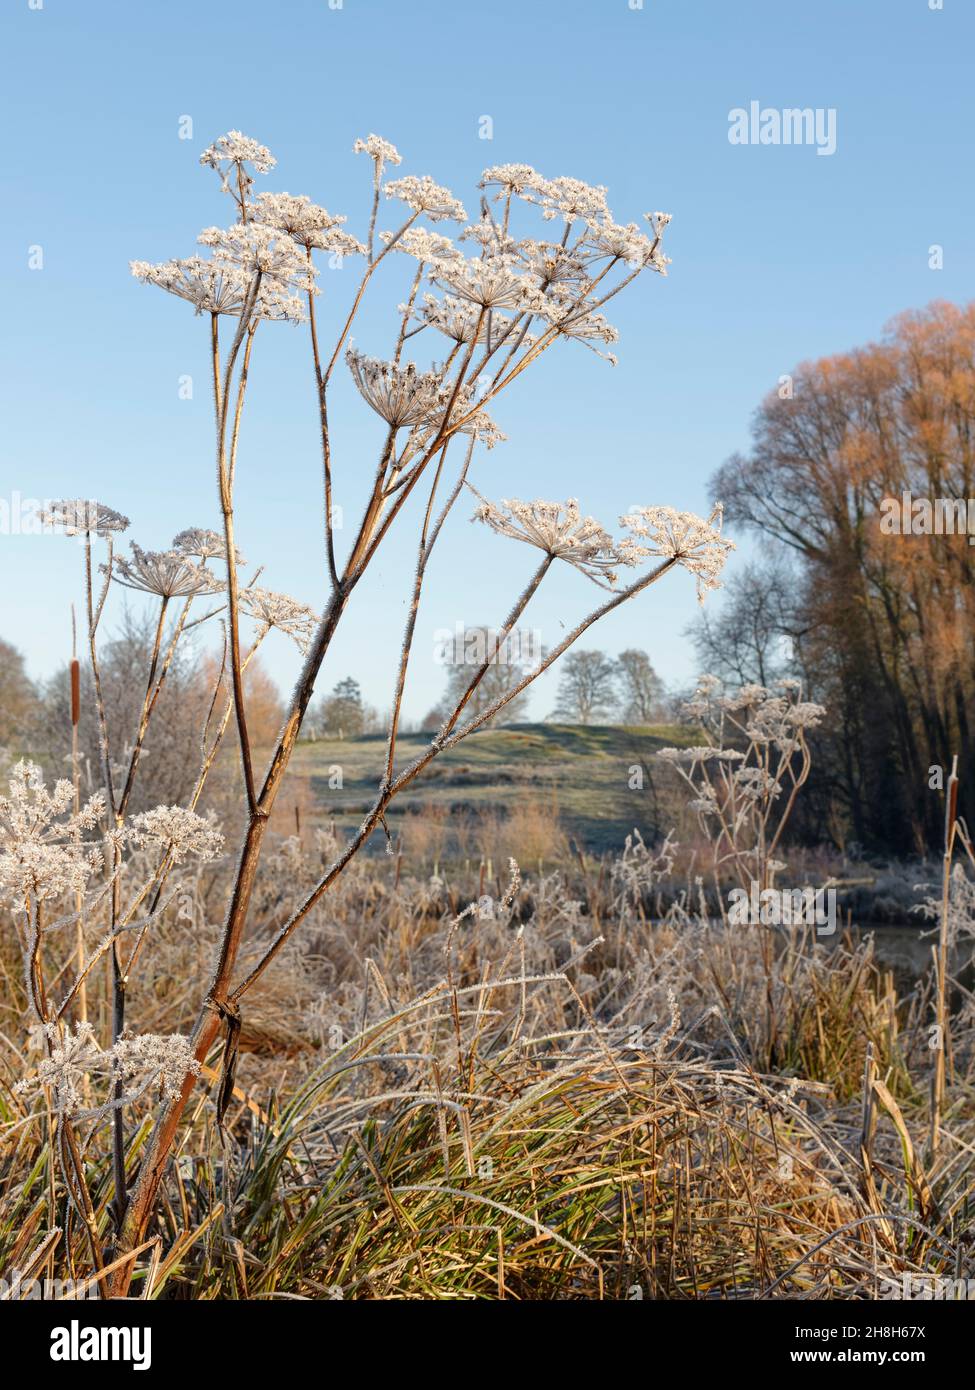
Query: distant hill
(584, 771)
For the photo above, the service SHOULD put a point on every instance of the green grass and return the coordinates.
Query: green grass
(586, 770)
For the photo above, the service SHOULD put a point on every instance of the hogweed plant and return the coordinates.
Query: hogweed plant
(488, 296)
(745, 779)
(743, 783)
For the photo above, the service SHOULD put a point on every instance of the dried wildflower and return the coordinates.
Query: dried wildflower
(476, 422)
(379, 150)
(233, 156)
(428, 247)
(492, 284)
(558, 528)
(209, 287)
(694, 543)
(168, 573)
(216, 287)
(72, 1059)
(253, 247)
(624, 243)
(552, 263)
(269, 609)
(136, 1062)
(571, 198)
(511, 178)
(152, 1059)
(578, 321)
(80, 517)
(204, 545)
(176, 830)
(458, 319)
(701, 754)
(237, 149)
(423, 195)
(306, 223)
(742, 698)
(42, 853)
(402, 395)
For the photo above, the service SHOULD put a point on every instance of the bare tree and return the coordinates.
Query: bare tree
(641, 689)
(463, 655)
(752, 638)
(18, 698)
(587, 689)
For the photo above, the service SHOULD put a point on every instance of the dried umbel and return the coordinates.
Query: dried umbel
(401, 395)
(254, 248)
(166, 573)
(280, 611)
(557, 528)
(78, 517)
(432, 199)
(203, 545)
(306, 223)
(209, 287)
(132, 1066)
(44, 852)
(177, 831)
(694, 543)
(379, 150)
(490, 284)
(233, 156)
(429, 248)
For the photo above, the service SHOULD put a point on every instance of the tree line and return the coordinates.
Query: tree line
(859, 490)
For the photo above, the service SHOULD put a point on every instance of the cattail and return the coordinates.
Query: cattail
(75, 692)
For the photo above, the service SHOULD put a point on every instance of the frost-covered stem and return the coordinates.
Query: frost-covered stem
(941, 1012)
(408, 310)
(225, 482)
(73, 1167)
(367, 276)
(376, 182)
(148, 703)
(320, 395)
(522, 603)
(79, 900)
(159, 1145)
(428, 540)
(239, 407)
(93, 616)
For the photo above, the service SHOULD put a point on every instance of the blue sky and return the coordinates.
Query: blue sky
(779, 255)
